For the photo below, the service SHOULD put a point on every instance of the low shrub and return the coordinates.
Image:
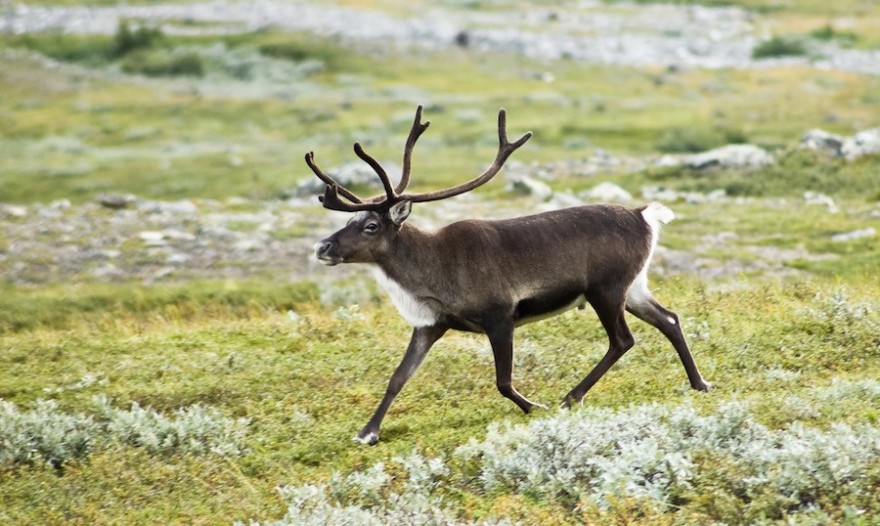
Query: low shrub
(374, 497)
(597, 457)
(163, 64)
(195, 429)
(648, 460)
(44, 434)
(693, 140)
(49, 435)
(828, 33)
(127, 40)
(779, 47)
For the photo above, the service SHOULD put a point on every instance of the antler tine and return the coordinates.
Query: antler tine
(418, 127)
(386, 182)
(341, 190)
(505, 149)
(331, 201)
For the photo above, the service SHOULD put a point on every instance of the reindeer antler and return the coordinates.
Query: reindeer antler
(334, 190)
(415, 132)
(505, 148)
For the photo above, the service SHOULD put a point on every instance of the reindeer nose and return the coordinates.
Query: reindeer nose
(322, 247)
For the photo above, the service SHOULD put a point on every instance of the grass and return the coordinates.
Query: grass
(302, 420)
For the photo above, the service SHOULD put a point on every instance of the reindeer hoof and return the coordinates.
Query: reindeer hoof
(369, 439)
(569, 402)
(703, 386)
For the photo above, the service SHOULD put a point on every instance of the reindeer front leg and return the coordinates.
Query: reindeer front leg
(419, 345)
(501, 338)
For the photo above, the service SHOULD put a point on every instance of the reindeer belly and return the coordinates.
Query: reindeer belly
(540, 306)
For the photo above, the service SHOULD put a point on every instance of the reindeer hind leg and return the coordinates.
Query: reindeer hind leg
(609, 308)
(642, 304)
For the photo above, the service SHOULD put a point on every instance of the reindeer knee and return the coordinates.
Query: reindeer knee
(506, 389)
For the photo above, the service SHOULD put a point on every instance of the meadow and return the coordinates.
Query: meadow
(199, 398)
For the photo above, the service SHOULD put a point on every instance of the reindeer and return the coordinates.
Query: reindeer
(489, 277)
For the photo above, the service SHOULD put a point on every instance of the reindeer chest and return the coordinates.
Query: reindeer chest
(417, 312)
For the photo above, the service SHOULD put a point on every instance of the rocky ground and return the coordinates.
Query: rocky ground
(124, 238)
(590, 31)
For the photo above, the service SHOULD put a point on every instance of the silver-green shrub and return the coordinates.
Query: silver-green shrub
(653, 452)
(194, 429)
(849, 324)
(372, 497)
(44, 434)
(660, 455)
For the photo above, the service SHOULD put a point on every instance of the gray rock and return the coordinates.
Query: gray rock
(152, 238)
(815, 198)
(855, 234)
(658, 193)
(18, 211)
(117, 201)
(863, 143)
(559, 201)
(108, 271)
(182, 207)
(667, 161)
(731, 156)
(532, 187)
(822, 142)
(608, 192)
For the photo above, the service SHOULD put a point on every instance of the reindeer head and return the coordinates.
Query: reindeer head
(370, 233)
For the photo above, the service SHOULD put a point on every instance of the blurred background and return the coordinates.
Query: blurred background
(202, 112)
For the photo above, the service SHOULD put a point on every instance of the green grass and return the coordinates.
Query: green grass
(794, 173)
(58, 308)
(309, 386)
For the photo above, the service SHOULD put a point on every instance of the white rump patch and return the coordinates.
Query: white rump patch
(656, 215)
(416, 312)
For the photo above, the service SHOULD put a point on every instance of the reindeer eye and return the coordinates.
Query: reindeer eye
(372, 227)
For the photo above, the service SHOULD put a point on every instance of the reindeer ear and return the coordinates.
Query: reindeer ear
(399, 211)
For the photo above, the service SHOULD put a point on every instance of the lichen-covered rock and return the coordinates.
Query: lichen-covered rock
(731, 156)
(866, 142)
(823, 142)
(608, 192)
(117, 201)
(532, 187)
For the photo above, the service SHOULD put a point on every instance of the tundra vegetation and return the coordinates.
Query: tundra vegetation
(230, 392)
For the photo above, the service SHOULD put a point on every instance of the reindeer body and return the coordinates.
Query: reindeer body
(469, 273)
(490, 276)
